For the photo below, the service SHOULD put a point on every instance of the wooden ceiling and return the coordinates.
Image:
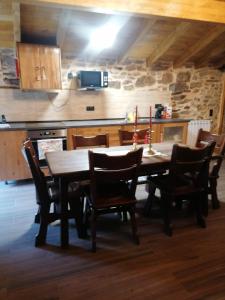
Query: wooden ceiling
(156, 39)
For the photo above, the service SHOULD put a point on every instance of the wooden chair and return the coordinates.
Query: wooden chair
(113, 186)
(48, 193)
(216, 161)
(79, 142)
(101, 140)
(186, 180)
(126, 137)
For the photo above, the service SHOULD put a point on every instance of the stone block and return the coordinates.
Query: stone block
(145, 81)
(178, 88)
(183, 77)
(167, 78)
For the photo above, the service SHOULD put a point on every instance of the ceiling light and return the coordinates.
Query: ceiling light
(104, 37)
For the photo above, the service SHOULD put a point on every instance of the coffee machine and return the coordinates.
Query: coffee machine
(3, 119)
(158, 111)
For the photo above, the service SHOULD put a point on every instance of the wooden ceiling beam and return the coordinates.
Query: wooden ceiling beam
(202, 10)
(199, 45)
(137, 39)
(168, 42)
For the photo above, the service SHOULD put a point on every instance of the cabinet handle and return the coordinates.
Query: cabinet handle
(43, 73)
(37, 73)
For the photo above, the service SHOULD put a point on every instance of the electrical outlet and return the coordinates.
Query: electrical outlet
(90, 108)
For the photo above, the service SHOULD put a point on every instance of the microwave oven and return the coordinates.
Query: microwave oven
(91, 80)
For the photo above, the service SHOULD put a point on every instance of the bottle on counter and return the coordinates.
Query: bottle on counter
(167, 112)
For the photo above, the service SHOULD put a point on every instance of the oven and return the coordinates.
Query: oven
(47, 140)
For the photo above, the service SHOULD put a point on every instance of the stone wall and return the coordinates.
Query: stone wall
(196, 93)
(191, 92)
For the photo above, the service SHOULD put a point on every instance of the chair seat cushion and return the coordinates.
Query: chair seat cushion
(113, 202)
(53, 190)
(183, 185)
(113, 194)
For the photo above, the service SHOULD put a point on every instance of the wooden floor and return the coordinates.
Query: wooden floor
(188, 266)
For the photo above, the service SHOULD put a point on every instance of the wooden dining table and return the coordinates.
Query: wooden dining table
(73, 165)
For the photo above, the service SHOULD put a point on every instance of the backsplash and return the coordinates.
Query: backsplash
(191, 92)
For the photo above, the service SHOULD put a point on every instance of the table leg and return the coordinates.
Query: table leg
(64, 214)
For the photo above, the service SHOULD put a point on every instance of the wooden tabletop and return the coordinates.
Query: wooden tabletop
(74, 163)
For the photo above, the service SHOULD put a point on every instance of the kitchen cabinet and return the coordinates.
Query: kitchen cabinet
(14, 166)
(173, 132)
(90, 131)
(39, 66)
(12, 162)
(167, 132)
(155, 130)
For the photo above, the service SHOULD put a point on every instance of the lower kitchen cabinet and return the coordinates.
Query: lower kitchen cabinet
(90, 131)
(12, 162)
(155, 130)
(14, 167)
(173, 132)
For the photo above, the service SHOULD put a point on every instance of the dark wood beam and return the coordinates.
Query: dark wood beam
(203, 10)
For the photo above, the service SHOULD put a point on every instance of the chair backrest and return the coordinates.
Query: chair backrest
(191, 161)
(205, 137)
(101, 140)
(37, 174)
(106, 170)
(126, 137)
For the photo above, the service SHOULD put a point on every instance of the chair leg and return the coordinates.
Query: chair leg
(37, 217)
(124, 216)
(213, 189)
(79, 218)
(204, 204)
(134, 225)
(41, 236)
(86, 214)
(198, 204)
(93, 230)
(149, 202)
(165, 207)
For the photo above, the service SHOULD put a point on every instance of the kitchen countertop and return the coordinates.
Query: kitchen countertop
(82, 123)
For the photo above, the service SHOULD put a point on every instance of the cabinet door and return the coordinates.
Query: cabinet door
(90, 131)
(12, 162)
(173, 132)
(155, 130)
(50, 62)
(30, 69)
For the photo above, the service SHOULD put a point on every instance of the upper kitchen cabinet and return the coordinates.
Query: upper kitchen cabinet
(40, 67)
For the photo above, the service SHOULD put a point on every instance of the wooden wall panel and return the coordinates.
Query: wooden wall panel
(12, 162)
(71, 104)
